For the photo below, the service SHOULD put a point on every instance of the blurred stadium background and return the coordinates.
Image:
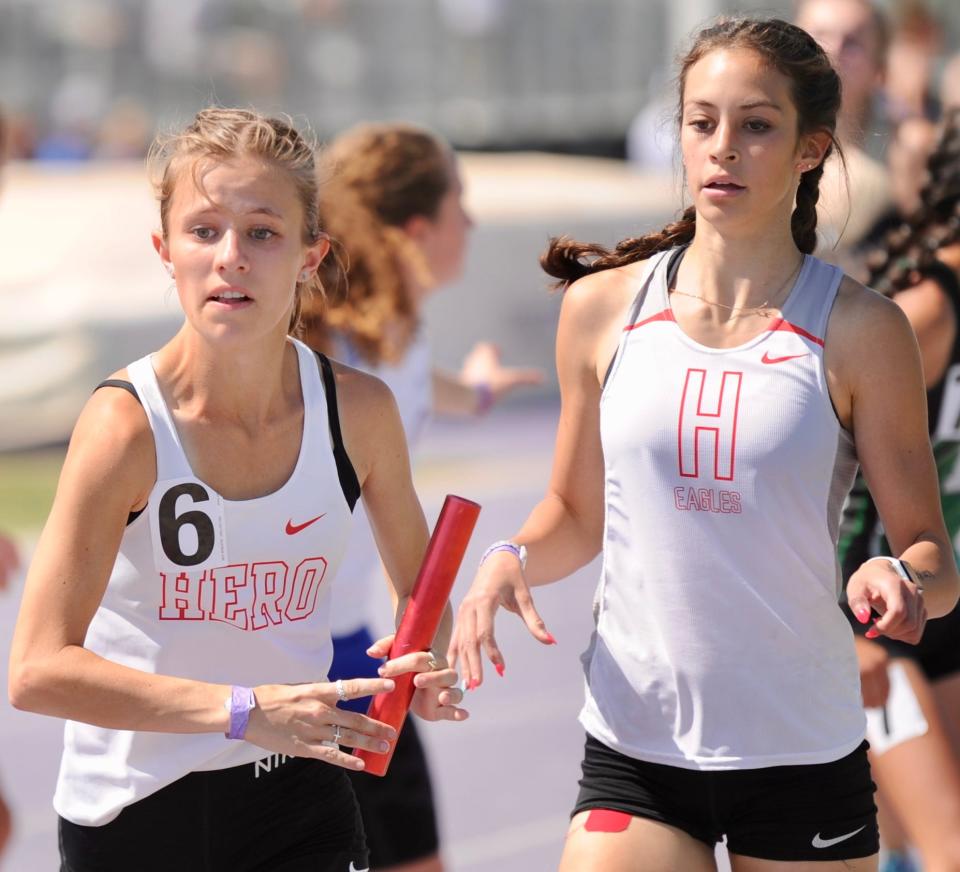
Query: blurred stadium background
(539, 95)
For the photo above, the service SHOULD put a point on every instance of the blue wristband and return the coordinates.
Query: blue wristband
(240, 704)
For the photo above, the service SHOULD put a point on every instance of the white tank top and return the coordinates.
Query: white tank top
(361, 573)
(225, 591)
(719, 642)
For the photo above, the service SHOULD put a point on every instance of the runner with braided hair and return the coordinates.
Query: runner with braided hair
(718, 385)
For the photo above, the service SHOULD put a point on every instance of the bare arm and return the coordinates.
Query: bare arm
(482, 380)
(564, 530)
(374, 438)
(877, 384)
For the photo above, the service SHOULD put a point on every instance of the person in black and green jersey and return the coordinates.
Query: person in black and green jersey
(915, 728)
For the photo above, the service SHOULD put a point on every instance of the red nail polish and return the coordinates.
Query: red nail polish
(472, 684)
(501, 669)
(863, 614)
(550, 639)
(871, 633)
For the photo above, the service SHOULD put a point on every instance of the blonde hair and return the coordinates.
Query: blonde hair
(376, 177)
(217, 135)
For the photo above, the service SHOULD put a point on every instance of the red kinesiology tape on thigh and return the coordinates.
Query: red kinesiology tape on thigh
(605, 820)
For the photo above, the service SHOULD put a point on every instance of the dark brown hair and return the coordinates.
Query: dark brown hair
(218, 134)
(910, 249)
(377, 177)
(815, 89)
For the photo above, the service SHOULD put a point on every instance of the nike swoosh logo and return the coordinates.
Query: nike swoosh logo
(826, 843)
(768, 359)
(293, 529)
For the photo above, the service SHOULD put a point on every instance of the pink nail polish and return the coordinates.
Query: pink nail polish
(863, 614)
(472, 684)
(550, 639)
(871, 633)
(501, 669)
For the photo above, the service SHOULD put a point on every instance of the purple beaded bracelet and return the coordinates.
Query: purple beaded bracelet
(240, 704)
(485, 398)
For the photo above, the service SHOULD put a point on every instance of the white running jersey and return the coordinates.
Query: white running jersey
(226, 591)
(719, 642)
(361, 575)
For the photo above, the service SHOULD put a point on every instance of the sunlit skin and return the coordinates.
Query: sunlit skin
(741, 147)
(237, 249)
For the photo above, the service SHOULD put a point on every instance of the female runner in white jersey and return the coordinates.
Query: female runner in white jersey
(177, 608)
(715, 379)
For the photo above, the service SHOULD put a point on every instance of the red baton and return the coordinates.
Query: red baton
(421, 619)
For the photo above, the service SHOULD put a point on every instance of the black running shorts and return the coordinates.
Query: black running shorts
(283, 814)
(822, 811)
(397, 809)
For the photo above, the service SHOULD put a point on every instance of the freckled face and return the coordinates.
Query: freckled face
(236, 244)
(739, 140)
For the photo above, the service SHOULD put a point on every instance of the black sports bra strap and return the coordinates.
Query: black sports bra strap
(349, 482)
(119, 383)
(673, 265)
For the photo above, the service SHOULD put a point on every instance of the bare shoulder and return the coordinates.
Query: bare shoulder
(597, 298)
(369, 417)
(871, 351)
(863, 316)
(112, 441)
(360, 393)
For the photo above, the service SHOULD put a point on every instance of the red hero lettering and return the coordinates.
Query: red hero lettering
(246, 596)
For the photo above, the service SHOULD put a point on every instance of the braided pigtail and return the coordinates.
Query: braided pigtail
(567, 260)
(803, 222)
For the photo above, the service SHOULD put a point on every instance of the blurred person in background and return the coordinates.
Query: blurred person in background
(392, 203)
(950, 83)
(125, 132)
(177, 609)
(853, 195)
(915, 47)
(722, 688)
(9, 558)
(915, 735)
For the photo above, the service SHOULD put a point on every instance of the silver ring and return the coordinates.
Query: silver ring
(341, 693)
(336, 733)
(432, 662)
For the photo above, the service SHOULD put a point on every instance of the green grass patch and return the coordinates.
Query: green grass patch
(27, 483)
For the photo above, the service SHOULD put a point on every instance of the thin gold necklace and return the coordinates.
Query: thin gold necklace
(762, 310)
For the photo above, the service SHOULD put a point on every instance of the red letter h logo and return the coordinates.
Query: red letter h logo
(698, 426)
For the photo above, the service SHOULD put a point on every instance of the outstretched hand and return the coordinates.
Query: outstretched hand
(437, 696)
(499, 582)
(482, 367)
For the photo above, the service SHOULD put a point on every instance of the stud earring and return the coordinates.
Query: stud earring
(304, 275)
(170, 271)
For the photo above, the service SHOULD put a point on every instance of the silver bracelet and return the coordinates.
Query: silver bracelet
(518, 551)
(901, 569)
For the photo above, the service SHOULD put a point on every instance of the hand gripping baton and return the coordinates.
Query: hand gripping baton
(422, 617)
